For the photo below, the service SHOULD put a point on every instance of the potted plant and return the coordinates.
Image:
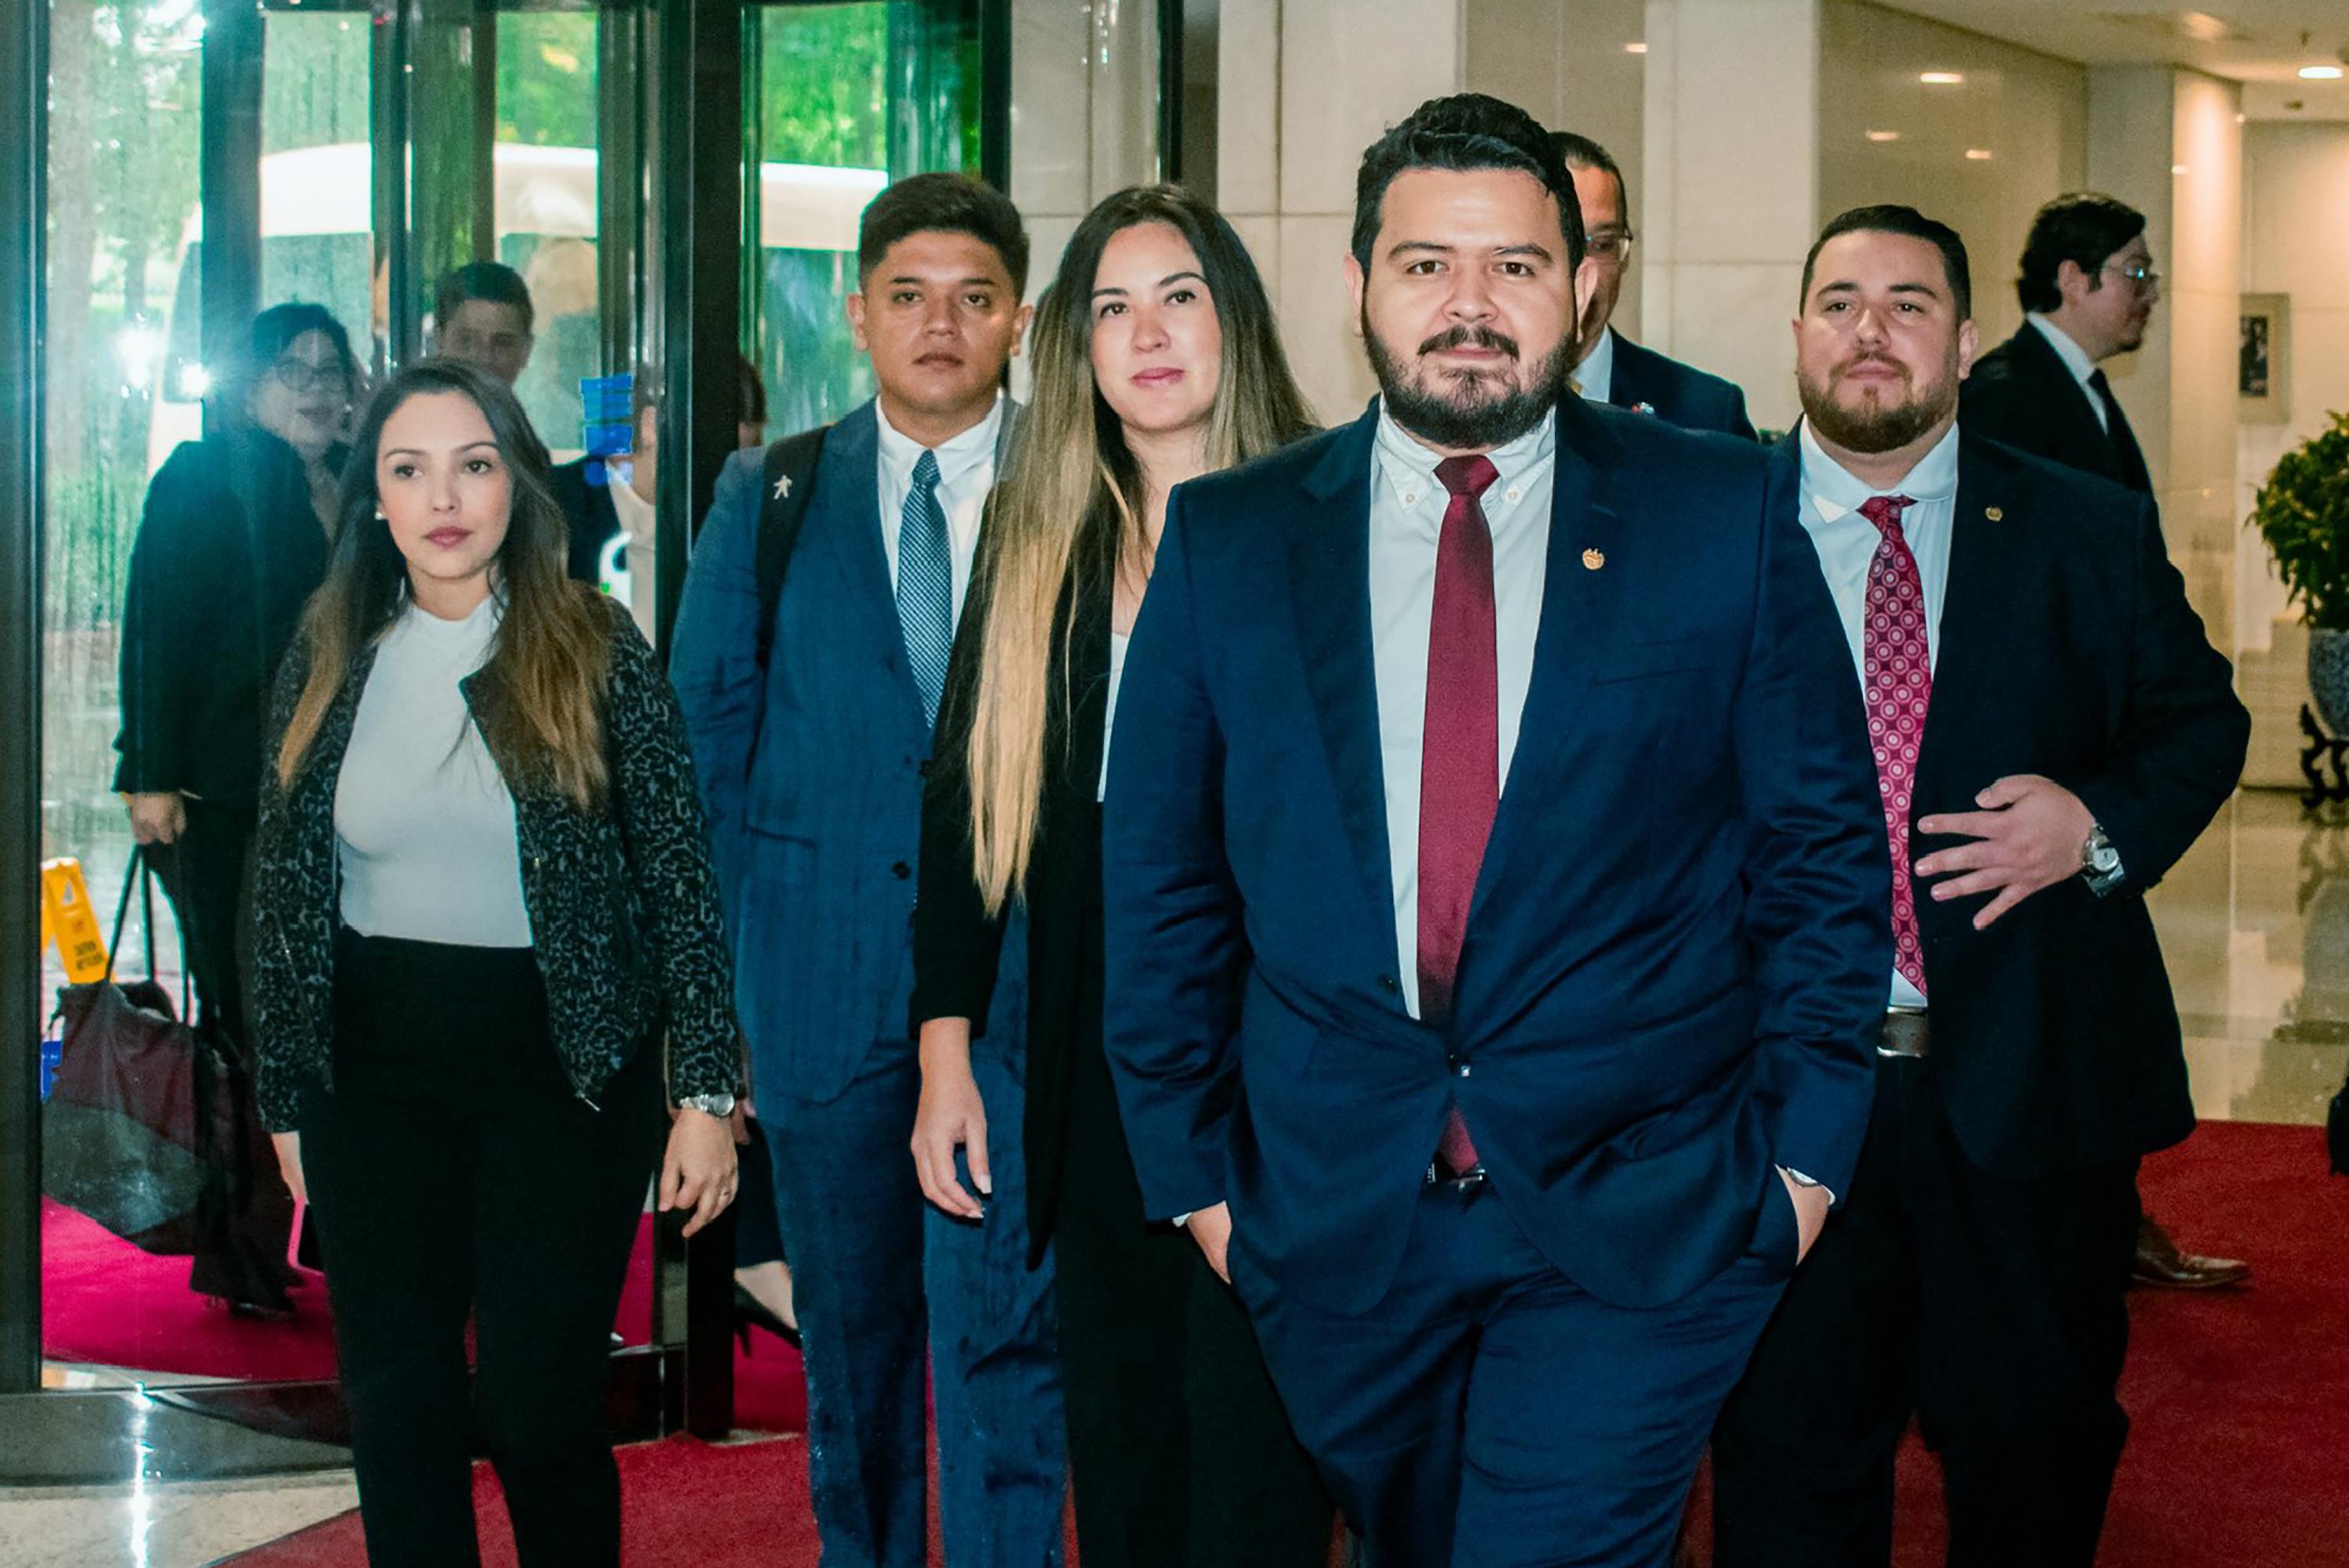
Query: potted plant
(2302, 512)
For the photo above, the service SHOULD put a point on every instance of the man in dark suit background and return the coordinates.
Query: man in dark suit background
(2087, 283)
(1614, 369)
(1495, 912)
(2088, 287)
(2053, 730)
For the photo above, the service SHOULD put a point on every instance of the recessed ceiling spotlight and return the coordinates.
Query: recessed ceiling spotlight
(1635, 49)
(1978, 154)
(1883, 135)
(2320, 73)
(1941, 79)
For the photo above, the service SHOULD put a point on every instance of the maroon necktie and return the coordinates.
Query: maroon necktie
(1898, 672)
(1460, 752)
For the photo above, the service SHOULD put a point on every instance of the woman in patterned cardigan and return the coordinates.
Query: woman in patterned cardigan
(483, 902)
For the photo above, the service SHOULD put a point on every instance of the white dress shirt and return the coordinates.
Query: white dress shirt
(424, 829)
(1407, 505)
(965, 473)
(1595, 375)
(1118, 643)
(2075, 360)
(1846, 543)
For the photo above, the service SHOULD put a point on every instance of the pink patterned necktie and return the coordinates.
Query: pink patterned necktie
(1460, 752)
(1899, 675)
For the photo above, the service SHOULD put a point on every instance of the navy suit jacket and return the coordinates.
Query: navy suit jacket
(1679, 394)
(1677, 953)
(812, 774)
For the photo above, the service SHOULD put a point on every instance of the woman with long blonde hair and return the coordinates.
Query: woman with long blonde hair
(482, 903)
(1157, 359)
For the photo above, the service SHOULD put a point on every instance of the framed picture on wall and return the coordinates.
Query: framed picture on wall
(2262, 362)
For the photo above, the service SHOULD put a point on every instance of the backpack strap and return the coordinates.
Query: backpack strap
(782, 511)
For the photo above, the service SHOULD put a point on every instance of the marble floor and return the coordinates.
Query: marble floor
(2254, 923)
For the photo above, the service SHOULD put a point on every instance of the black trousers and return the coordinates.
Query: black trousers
(245, 1214)
(1990, 1309)
(458, 1176)
(1180, 1452)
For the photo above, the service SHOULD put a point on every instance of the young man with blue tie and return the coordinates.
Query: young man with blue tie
(2051, 729)
(1496, 911)
(812, 735)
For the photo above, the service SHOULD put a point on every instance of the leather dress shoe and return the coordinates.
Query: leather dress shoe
(2161, 1263)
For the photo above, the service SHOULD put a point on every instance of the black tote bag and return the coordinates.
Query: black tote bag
(123, 1136)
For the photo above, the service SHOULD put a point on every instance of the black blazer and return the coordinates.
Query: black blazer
(2024, 395)
(583, 487)
(229, 550)
(956, 944)
(1646, 381)
(2067, 649)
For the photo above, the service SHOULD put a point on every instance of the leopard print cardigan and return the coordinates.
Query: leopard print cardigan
(623, 902)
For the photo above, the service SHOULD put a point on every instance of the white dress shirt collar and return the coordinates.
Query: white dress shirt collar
(2075, 360)
(1408, 468)
(1836, 489)
(1596, 374)
(957, 455)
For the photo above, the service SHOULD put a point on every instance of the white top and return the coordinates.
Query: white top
(1407, 505)
(1596, 374)
(2075, 360)
(1846, 543)
(423, 825)
(636, 528)
(965, 473)
(1118, 642)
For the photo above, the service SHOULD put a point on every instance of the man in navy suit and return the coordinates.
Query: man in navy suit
(1495, 910)
(812, 768)
(1613, 369)
(2053, 730)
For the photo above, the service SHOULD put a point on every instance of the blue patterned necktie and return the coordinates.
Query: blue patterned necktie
(925, 585)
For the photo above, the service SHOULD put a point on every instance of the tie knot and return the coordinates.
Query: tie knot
(1469, 476)
(1884, 510)
(925, 470)
(2097, 379)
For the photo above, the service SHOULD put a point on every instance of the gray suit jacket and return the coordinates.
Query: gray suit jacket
(812, 772)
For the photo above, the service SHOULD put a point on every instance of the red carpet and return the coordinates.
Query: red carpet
(105, 1302)
(2238, 1457)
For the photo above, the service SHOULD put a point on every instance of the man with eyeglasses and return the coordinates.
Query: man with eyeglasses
(2088, 288)
(1614, 369)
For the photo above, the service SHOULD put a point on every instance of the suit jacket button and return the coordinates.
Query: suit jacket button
(901, 870)
(1386, 983)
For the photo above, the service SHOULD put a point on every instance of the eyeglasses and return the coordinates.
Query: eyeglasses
(2139, 272)
(1610, 245)
(299, 376)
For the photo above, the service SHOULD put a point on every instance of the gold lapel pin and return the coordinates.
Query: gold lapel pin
(1592, 559)
(1995, 514)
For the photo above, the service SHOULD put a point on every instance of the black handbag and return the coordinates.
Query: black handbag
(124, 1135)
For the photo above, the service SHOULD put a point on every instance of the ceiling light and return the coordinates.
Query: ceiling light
(1978, 154)
(1883, 135)
(1941, 79)
(2320, 73)
(1640, 49)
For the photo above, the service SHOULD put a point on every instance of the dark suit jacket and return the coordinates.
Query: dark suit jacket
(957, 945)
(1675, 957)
(2066, 649)
(2022, 394)
(1680, 393)
(582, 489)
(229, 550)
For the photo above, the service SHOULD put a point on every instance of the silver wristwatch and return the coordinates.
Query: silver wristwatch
(2100, 863)
(721, 1106)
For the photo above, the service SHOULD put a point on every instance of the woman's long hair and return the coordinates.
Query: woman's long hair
(538, 698)
(1070, 512)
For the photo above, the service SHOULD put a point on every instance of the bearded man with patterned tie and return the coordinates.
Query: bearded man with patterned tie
(1495, 895)
(2052, 729)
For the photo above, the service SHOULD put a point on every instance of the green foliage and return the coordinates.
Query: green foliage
(824, 98)
(2302, 512)
(546, 78)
